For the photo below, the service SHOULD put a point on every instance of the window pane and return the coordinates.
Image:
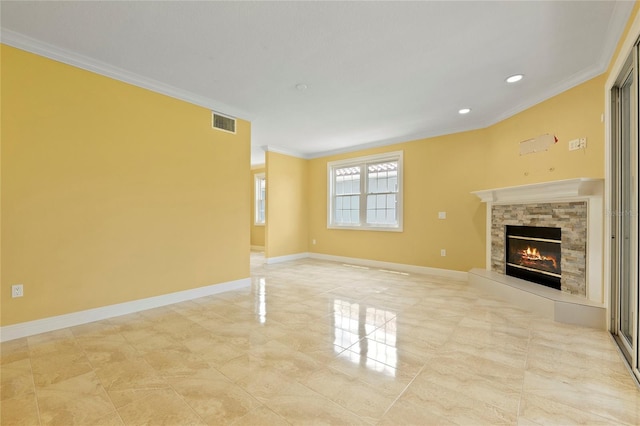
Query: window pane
(393, 183)
(379, 197)
(355, 185)
(382, 182)
(391, 216)
(355, 202)
(373, 183)
(391, 201)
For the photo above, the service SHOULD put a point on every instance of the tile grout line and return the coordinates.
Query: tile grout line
(33, 382)
(404, 390)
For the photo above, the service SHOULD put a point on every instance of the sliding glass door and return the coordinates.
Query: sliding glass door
(624, 210)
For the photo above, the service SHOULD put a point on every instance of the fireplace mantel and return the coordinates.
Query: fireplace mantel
(587, 190)
(545, 191)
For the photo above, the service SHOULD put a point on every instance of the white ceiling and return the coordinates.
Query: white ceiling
(376, 72)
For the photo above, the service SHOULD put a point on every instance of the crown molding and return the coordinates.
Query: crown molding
(283, 151)
(38, 47)
(621, 13)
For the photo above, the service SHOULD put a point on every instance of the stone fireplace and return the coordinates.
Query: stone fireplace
(570, 218)
(574, 209)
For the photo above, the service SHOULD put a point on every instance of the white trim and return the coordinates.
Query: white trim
(286, 258)
(397, 156)
(29, 328)
(20, 41)
(545, 191)
(290, 153)
(621, 10)
(425, 270)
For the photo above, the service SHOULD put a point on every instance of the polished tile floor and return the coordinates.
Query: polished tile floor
(315, 342)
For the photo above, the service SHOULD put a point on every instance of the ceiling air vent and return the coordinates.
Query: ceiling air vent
(222, 122)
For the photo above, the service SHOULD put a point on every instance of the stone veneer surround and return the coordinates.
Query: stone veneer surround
(570, 217)
(576, 204)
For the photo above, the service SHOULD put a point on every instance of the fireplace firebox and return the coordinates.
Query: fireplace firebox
(533, 254)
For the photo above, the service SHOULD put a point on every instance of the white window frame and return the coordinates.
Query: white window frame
(257, 178)
(362, 162)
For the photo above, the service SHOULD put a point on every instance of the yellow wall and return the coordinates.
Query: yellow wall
(112, 193)
(287, 228)
(257, 231)
(570, 115)
(440, 173)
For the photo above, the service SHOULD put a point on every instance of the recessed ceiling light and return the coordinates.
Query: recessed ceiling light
(514, 78)
(302, 86)
(464, 111)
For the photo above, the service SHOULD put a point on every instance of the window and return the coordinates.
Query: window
(260, 184)
(366, 193)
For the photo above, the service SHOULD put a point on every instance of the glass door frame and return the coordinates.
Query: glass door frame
(623, 212)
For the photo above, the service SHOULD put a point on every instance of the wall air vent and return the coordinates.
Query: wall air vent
(222, 122)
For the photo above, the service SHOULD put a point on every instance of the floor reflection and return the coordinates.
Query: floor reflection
(368, 334)
(261, 301)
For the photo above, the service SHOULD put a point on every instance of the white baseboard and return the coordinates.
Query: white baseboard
(280, 259)
(24, 329)
(257, 248)
(448, 273)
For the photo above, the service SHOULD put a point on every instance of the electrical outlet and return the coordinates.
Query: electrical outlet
(313, 242)
(17, 290)
(579, 143)
(442, 215)
(443, 252)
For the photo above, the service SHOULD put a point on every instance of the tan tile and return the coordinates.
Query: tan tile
(59, 366)
(298, 404)
(261, 416)
(161, 407)
(17, 379)
(101, 352)
(52, 337)
(278, 356)
(169, 363)
(214, 397)
(357, 338)
(543, 411)
(79, 400)
(213, 349)
(265, 383)
(129, 380)
(52, 343)
(20, 410)
(368, 402)
(242, 366)
(406, 413)
(454, 405)
(619, 405)
(13, 350)
(99, 329)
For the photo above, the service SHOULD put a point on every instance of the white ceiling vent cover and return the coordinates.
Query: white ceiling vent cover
(223, 122)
